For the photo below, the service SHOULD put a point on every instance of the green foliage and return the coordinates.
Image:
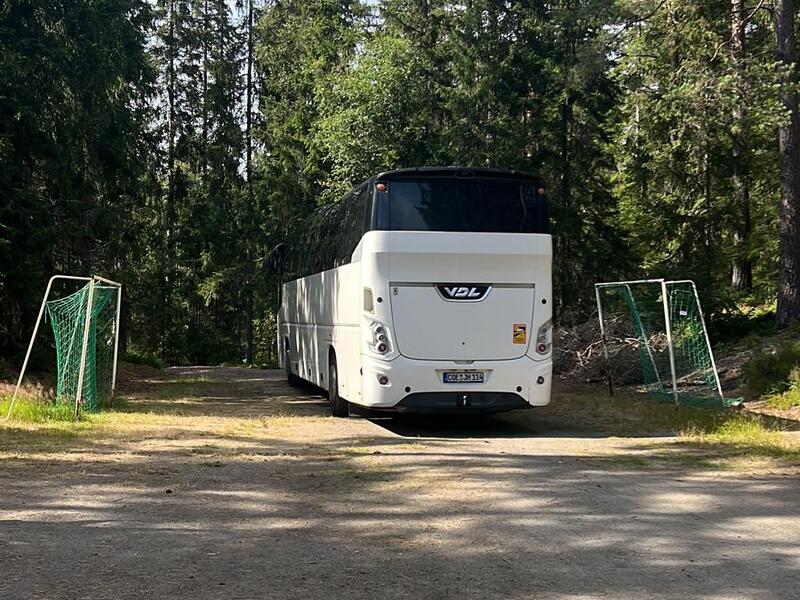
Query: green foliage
(771, 371)
(123, 143)
(372, 119)
(73, 144)
(675, 135)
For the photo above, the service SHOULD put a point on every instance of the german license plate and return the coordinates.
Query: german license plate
(462, 377)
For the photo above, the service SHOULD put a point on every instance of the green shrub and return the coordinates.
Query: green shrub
(148, 359)
(769, 372)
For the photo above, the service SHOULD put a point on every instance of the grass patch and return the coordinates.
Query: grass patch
(366, 474)
(789, 398)
(279, 421)
(188, 380)
(706, 437)
(627, 413)
(180, 387)
(743, 436)
(30, 410)
(360, 451)
(732, 441)
(738, 430)
(785, 401)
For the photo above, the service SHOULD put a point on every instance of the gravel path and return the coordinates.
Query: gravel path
(239, 487)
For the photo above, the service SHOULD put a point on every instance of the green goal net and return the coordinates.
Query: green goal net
(68, 319)
(654, 334)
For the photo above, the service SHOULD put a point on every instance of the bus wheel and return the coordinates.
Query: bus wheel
(339, 406)
(292, 379)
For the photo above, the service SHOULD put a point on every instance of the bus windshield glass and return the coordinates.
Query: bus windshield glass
(476, 205)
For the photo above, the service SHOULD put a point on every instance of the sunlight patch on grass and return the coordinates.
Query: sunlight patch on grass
(785, 401)
(743, 436)
(366, 450)
(280, 421)
(703, 437)
(189, 379)
(30, 410)
(739, 430)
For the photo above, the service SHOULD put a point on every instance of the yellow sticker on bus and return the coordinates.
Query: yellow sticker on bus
(520, 333)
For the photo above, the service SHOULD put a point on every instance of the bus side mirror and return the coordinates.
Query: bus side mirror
(277, 263)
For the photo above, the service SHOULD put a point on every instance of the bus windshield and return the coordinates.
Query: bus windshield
(476, 205)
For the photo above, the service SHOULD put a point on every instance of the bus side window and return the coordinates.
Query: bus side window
(329, 236)
(349, 225)
(368, 200)
(340, 249)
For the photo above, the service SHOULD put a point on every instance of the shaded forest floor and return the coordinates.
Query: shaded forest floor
(224, 482)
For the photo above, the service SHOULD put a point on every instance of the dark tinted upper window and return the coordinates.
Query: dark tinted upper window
(330, 234)
(480, 205)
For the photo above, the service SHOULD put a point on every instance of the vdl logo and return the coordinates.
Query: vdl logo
(464, 293)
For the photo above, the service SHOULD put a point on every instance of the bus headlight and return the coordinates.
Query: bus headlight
(544, 338)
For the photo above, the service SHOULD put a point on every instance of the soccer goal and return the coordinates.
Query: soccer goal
(663, 323)
(85, 328)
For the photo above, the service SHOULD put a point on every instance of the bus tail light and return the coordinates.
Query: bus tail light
(380, 341)
(544, 338)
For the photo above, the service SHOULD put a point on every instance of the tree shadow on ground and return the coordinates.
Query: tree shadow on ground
(280, 520)
(224, 392)
(169, 508)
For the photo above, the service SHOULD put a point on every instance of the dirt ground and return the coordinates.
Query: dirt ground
(226, 483)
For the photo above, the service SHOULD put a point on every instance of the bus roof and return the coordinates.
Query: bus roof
(465, 172)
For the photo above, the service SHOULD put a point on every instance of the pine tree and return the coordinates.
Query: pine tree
(73, 145)
(742, 271)
(784, 15)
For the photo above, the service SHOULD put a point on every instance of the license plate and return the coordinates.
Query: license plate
(462, 377)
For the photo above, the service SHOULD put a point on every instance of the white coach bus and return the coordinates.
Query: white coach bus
(424, 290)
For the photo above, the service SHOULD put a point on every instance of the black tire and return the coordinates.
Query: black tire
(292, 379)
(339, 406)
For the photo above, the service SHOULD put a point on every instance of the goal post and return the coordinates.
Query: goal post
(664, 321)
(85, 326)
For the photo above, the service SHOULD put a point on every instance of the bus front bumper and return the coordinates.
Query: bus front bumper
(418, 385)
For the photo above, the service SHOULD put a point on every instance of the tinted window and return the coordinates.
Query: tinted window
(330, 234)
(466, 205)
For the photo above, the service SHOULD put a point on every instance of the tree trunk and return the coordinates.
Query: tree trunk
(249, 174)
(169, 209)
(742, 270)
(789, 136)
(674, 40)
(205, 89)
(569, 226)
